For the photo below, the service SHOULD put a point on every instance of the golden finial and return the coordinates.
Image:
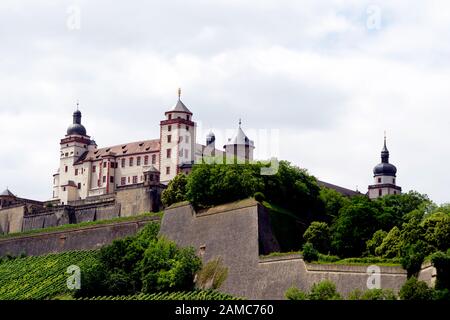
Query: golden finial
(179, 93)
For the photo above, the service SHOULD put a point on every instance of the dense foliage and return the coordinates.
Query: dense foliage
(143, 263)
(40, 277)
(406, 227)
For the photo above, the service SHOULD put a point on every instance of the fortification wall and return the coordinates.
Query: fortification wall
(11, 219)
(137, 199)
(235, 232)
(85, 238)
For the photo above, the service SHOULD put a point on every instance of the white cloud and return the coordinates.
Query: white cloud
(312, 70)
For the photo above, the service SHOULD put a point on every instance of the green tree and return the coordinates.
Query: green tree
(332, 201)
(176, 190)
(441, 261)
(376, 241)
(414, 289)
(395, 208)
(318, 234)
(436, 228)
(391, 244)
(355, 224)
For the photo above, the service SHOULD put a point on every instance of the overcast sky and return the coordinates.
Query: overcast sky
(325, 77)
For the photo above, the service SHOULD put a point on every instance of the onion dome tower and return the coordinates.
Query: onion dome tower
(384, 175)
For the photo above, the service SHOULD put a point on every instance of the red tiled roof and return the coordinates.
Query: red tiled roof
(121, 150)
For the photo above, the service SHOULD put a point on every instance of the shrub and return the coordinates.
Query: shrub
(390, 245)
(165, 267)
(176, 190)
(414, 289)
(309, 253)
(318, 234)
(412, 256)
(141, 263)
(441, 262)
(372, 294)
(259, 196)
(324, 290)
(212, 275)
(376, 241)
(294, 293)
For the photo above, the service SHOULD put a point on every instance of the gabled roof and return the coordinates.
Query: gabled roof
(125, 149)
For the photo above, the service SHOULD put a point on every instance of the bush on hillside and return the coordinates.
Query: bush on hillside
(175, 191)
(318, 234)
(414, 289)
(309, 252)
(143, 263)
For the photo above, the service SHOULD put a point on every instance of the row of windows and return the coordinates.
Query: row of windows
(187, 118)
(169, 138)
(138, 161)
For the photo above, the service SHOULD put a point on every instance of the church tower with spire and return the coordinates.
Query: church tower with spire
(177, 139)
(385, 175)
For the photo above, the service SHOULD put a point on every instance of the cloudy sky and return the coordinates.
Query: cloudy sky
(323, 78)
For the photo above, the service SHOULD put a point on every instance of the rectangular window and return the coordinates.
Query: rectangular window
(379, 180)
(145, 160)
(76, 172)
(187, 128)
(169, 128)
(138, 161)
(79, 185)
(380, 192)
(128, 179)
(66, 169)
(104, 179)
(168, 153)
(111, 179)
(181, 139)
(169, 138)
(104, 164)
(167, 170)
(131, 162)
(135, 179)
(154, 159)
(180, 153)
(123, 163)
(123, 181)
(186, 153)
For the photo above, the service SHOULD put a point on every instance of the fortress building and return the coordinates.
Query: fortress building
(86, 171)
(385, 175)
